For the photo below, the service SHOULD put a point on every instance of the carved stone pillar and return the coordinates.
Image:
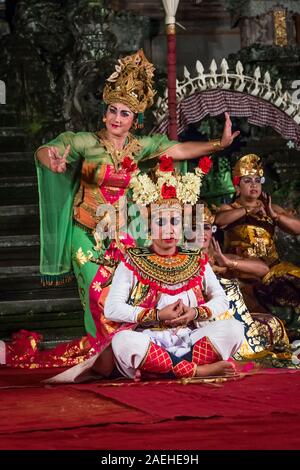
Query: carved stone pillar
(33, 63)
(90, 23)
(266, 22)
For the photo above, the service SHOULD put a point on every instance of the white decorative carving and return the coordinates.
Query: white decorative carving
(257, 86)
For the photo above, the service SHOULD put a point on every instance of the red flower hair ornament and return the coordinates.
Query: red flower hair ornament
(168, 192)
(166, 163)
(205, 164)
(236, 180)
(167, 183)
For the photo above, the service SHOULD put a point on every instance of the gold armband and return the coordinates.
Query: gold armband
(148, 316)
(216, 143)
(234, 264)
(203, 313)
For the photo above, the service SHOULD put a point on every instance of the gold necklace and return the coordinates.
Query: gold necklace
(257, 204)
(132, 147)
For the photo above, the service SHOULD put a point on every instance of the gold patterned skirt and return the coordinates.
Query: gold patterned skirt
(279, 293)
(265, 335)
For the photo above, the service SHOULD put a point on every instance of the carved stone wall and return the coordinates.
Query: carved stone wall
(267, 22)
(56, 59)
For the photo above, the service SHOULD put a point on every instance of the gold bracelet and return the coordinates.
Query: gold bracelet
(216, 143)
(203, 313)
(147, 315)
(234, 264)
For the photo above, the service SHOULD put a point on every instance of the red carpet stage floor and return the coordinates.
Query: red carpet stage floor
(256, 412)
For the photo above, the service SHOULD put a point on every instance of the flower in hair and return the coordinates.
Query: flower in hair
(205, 164)
(166, 163)
(236, 180)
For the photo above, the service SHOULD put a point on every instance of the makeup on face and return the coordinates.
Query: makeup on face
(119, 118)
(251, 180)
(118, 111)
(166, 226)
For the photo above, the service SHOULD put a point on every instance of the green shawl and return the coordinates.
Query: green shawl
(57, 192)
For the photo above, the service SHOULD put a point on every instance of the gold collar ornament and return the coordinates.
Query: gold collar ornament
(167, 274)
(131, 148)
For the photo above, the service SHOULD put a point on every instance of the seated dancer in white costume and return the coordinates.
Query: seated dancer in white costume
(163, 299)
(171, 295)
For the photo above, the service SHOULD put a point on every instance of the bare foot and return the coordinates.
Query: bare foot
(104, 364)
(243, 367)
(216, 368)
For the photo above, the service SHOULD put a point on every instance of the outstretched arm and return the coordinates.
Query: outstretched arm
(189, 150)
(227, 215)
(247, 266)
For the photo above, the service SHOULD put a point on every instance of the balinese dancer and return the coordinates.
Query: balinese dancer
(163, 301)
(80, 174)
(265, 335)
(249, 225)
(170, 294)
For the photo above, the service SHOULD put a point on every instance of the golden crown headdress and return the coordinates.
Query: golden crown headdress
(208, 217)
(248, 165)
(131, 83)
(166, 186)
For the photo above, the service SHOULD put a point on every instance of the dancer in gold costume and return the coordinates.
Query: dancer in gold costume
(249, 224)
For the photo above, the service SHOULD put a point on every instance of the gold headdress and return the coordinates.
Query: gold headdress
(131, 83)
(208, 217)
(248, 165)
(166, 186)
